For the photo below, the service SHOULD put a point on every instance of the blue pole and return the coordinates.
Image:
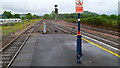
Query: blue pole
(79, 42)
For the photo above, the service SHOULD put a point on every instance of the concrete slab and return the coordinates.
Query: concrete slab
(59, 50)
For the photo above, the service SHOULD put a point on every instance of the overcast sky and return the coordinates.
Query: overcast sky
(41, 7)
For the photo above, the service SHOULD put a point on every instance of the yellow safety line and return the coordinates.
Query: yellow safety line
(101, 47)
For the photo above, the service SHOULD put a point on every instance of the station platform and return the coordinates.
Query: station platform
(60, 50)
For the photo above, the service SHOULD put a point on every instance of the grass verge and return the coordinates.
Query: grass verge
(7, 30)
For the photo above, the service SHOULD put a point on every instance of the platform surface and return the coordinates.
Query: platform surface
(59, 50)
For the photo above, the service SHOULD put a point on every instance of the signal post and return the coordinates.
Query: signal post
(56, 12)
(79, 9)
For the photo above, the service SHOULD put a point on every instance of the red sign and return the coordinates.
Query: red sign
(79, 6)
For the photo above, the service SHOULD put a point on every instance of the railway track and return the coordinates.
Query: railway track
(101, 30)
(12, 49)
(73, 31)
(102, 34)
(61, 29)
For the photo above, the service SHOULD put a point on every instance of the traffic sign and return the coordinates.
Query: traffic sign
(79, 6)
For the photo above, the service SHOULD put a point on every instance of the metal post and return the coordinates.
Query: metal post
(21, 26)
(56, 12)
(55, 17)
(44, 28)
(79, 42)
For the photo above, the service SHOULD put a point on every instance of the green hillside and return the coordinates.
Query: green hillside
(87, 12)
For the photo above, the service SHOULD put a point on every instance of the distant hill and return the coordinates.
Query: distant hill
(87, 12)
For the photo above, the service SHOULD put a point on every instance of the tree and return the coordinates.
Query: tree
(114, 17)
(104, 15)
(46, 16)
(17, 16)
(23, 18)
(7, 14)
(29, 16)
(35, 17)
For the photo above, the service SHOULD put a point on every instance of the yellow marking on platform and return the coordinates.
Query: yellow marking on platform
(75, 35)
(101, 47)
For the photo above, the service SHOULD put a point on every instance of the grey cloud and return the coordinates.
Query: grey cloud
(42, 7)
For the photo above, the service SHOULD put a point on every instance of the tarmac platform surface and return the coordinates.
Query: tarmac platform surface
(59, 50)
